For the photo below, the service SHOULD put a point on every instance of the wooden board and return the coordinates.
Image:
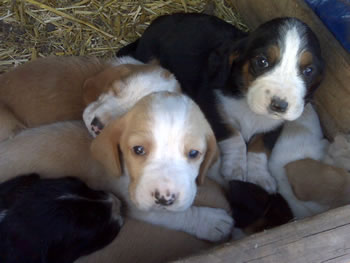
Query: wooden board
(323, 238)
(333, 97)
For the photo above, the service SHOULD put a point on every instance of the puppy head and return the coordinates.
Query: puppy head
(115, 90)
(166, 146)
(276, 68)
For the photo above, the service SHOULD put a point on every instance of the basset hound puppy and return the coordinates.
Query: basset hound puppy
(152, 157)
(247, 84)
(54, 220)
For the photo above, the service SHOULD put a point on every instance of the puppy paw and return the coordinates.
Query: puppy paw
(258, 172)
(233, 158)
(213, 224)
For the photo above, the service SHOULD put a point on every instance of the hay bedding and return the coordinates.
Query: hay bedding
(38, 28)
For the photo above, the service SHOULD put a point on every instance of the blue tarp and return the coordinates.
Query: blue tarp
(335, 14)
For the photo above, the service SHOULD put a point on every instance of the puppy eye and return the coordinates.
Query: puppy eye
(192, 154)
(139, 150)
(261, 62)
(307, 71)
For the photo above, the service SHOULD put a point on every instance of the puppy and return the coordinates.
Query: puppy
(54, 220)
(254, 209)
(153, 157)
(246, 84)
(59, 89)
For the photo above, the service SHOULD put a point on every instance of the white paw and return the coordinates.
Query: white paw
(213, 224)
(233, 158)
(258, 172)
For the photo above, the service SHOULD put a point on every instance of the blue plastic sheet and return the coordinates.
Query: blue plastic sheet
(335, 14)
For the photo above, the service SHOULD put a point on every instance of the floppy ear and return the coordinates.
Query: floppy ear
(104, 148)
(210, 157)
(111, 77)
(220, 61)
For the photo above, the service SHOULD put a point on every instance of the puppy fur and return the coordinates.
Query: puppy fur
(54, 220)
(59, 88)
(245, 84)
(169, 127)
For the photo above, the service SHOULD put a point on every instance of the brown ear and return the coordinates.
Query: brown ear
(210, 157)
(104, 148)
(102, 82)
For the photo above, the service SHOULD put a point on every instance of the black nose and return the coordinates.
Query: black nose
(278, 105)
(169, 199)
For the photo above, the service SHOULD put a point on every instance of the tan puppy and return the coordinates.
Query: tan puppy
(162, 146)
(59, 88)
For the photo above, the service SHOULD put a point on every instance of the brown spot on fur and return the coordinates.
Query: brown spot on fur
(273, 54)
(305, 59)
(233, 57)
(247, 76)
(256, 145)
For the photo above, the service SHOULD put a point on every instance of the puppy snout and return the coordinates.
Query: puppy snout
(278, 105)
(164, 198)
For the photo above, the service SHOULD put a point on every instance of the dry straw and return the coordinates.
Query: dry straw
(38, 28)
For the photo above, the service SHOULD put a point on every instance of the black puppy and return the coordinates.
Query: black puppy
(54, 220)
(246, 84)
(254, 209)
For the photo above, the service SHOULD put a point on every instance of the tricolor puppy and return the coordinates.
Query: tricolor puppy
(246, 84)
(59, 89)
(153, 157)
(54, 220)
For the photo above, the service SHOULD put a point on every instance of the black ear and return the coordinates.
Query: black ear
(221, 60)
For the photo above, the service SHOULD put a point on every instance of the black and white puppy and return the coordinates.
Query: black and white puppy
(54, 220)
(246, 84)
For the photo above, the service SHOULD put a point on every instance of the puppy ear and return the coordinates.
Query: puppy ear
(221, 60)
(107, 79)
(210, 157)
(104, 148)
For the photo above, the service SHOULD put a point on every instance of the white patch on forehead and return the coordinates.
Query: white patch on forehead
(3, 214)
(169, 117)
(125, 60)
(291, 44)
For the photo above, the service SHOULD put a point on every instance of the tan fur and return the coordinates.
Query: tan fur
(305, 59)
(313, 180)
(273, 53)
(46, 90)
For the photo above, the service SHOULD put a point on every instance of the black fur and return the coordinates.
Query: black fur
(252, 207)
(40, 228)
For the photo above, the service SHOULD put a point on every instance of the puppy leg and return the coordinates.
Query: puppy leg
(212, 224)
(233, 157)
(257, 165)
(10, 125)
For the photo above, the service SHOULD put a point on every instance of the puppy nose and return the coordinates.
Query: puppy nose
(278, 105)
(167, 198)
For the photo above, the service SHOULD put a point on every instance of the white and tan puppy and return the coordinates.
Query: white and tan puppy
(55, 89)
(154, 156)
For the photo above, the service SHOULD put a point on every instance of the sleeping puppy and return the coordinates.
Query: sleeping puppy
(153, 157)
(254, 209)
(54, 220)
(246, 84)
(59, 88)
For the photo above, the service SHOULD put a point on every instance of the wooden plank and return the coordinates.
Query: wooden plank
(333, 97)
(322, 238)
